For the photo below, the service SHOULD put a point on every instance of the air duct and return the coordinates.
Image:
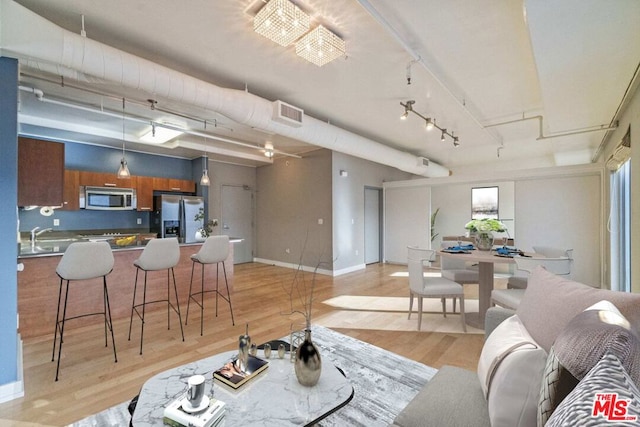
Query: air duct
(46, 46)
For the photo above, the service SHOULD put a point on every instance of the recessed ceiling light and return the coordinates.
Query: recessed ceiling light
(158, 134)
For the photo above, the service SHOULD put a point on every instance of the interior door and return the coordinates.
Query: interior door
(237, 220)
(372, 225)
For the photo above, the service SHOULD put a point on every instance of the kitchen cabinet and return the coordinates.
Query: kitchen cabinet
(40, 172)
(102, 179)
(71, 199)
(172, 184)
(144, 193)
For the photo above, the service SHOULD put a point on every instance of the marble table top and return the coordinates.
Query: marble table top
(273, 398)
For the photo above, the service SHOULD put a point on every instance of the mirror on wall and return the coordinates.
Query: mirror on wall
(484, 202)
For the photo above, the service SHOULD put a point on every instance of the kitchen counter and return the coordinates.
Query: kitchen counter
(38, 287)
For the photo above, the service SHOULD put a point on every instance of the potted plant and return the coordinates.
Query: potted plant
(205, 229)
(482, 230)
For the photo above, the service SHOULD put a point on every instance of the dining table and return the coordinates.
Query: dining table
(485, 260)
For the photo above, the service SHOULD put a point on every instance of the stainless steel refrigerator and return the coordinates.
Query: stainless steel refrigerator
(174, 216)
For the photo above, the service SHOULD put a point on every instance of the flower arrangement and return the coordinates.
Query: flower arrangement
(205, 229)
(484, 225)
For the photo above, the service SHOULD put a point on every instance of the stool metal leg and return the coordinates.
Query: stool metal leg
(175, 289)
(186, 319)
(133, 304)
(64, 316)
(55, 332)
(107, 312)
(228, 297)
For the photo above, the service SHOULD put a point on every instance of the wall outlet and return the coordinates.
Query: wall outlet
(56, 222)
(139, 221)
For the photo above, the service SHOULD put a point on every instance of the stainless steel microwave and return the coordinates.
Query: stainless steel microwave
(107, 198)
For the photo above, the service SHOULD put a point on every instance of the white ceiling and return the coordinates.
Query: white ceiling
(472, 64)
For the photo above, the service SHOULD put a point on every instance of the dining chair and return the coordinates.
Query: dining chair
(430, 287)
(456, 269)
(510, 298)
(520, 281)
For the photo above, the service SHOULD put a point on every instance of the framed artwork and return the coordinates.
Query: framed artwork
(484, 202)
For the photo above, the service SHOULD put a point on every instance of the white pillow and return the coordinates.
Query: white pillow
(510, 372)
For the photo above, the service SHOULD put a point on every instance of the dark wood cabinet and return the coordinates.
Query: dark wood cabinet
(40, 172)
(171, 184)
(144, 193)
(71, 201)
(102, 179)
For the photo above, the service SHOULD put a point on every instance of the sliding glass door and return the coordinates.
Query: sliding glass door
(620, 228)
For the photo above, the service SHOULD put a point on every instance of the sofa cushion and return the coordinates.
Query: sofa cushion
(510, 370)
(550, 302)
(453, 397)
(598, 330)
(610, 386)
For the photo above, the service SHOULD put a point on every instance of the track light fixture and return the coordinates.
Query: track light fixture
(123, 170)
(204, 180)
(268, 150)
(430, 123)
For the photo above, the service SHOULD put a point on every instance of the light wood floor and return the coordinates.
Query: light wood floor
(90, 381)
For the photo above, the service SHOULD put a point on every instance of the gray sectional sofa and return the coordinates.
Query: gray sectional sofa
(541, 364)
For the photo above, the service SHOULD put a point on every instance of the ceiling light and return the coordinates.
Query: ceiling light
(123, 170)
(281, 21)
(444, 132)
(429, 124)
(204, 180)
(159, 134)
(268, 150)
(404, 115)
(320, 46)
(407, 107)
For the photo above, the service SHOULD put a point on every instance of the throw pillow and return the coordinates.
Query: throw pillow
(510, 371)
(550, 302)
(606, 396)
(598, 330)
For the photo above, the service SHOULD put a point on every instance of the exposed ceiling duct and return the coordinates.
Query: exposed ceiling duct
(49, 47)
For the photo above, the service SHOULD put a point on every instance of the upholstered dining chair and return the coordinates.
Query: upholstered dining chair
(430, 287)
(157, 255)
(520, 281)
(214, 250)
(83, 261)
(456, 269)
(510, 298)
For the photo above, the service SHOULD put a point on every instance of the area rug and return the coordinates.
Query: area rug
(383, 383)
(390, 314)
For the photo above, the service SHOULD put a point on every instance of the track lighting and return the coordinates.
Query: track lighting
(268, 150)
(430, 123)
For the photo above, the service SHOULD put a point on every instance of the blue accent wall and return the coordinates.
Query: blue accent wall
(9, 197)
(103, 159)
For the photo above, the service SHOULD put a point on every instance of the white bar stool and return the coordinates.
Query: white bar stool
(214, 250)
(158, 254)
(83, 261)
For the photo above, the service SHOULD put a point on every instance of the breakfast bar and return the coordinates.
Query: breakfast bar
(38, 285)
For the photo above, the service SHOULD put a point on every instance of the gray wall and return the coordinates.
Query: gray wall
(292, 196)
(348, 202)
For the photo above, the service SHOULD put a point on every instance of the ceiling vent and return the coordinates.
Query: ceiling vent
(423, 161)
(287, 114)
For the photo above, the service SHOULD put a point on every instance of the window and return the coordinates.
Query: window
(620, 228)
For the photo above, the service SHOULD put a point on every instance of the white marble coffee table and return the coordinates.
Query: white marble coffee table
(274, 398)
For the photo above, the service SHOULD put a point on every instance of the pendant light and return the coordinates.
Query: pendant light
(204, 181)
(123, 170)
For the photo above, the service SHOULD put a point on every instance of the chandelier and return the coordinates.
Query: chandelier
(281, 21)
(320, 46)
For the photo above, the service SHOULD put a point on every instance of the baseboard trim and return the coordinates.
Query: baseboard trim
(349, 269)
(15, 389)
(294, 266)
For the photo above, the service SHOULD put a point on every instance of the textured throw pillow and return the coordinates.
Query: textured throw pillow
(510, 370)
(605, 397)
(550, 302)
(598, 330)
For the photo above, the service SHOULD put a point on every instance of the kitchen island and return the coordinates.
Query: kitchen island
(38, 286)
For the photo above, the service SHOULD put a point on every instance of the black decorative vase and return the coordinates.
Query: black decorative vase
(308, 364)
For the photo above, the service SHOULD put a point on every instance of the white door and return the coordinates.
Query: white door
(372, 210)
(237, 220)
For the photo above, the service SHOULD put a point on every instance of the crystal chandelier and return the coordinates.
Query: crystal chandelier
(320, 46)
(281, 21)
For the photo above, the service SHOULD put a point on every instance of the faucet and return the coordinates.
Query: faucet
(36, 232)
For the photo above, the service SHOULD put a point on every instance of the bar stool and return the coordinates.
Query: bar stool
(158, 254)
(83, 261)
(214, 250)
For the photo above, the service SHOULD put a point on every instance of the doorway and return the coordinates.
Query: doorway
(372, 225)
(237, 220)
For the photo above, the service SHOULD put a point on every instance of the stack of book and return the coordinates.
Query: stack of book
(234, 375)
(213, 415)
